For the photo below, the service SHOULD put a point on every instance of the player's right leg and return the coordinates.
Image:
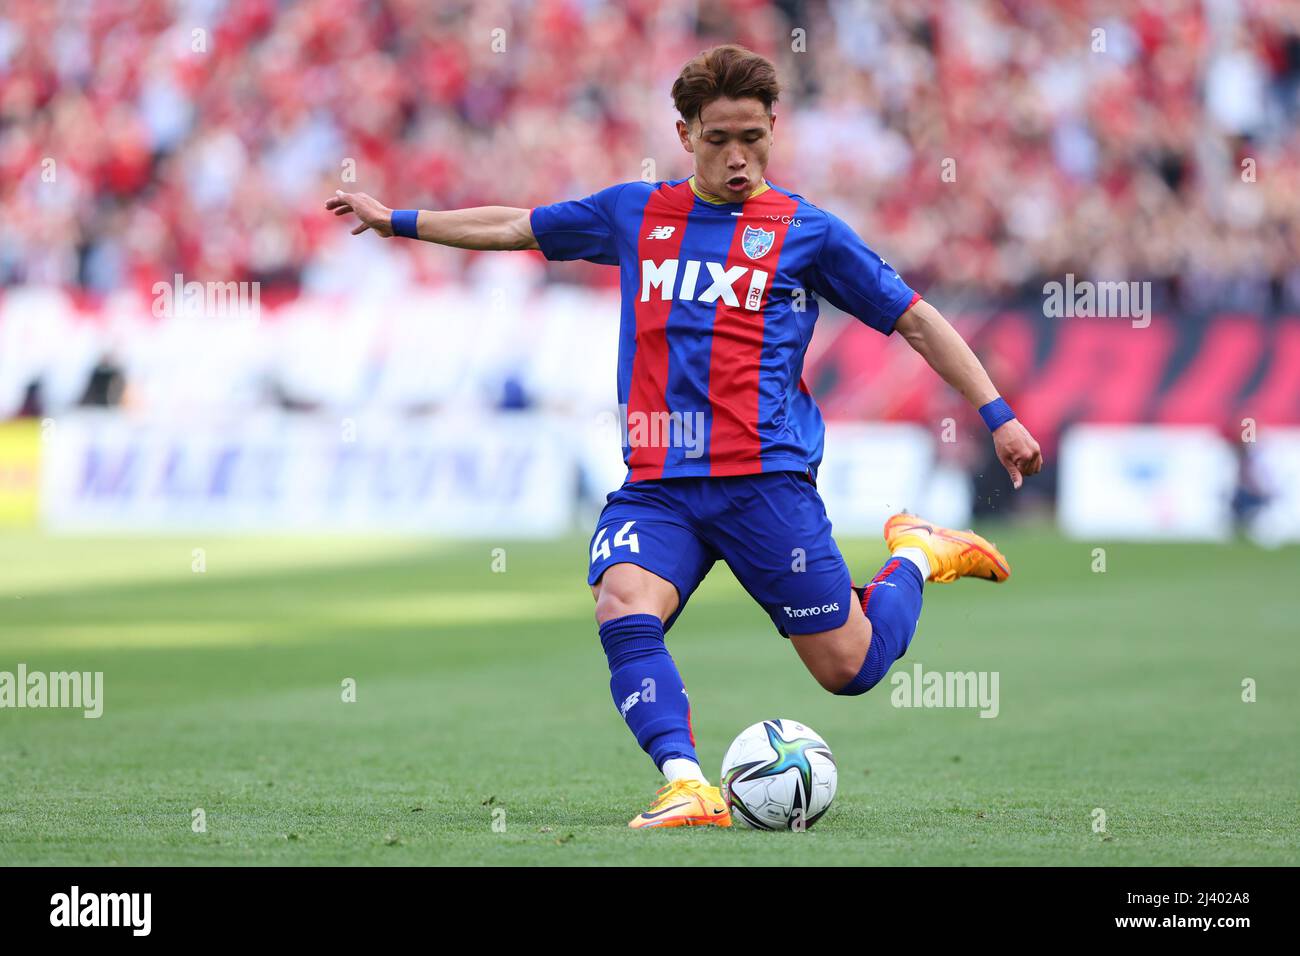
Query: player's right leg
(645, 563)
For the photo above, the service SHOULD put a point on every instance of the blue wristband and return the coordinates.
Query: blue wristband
(404, 223)
(996, 414)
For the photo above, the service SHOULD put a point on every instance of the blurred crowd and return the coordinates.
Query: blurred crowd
(983, 146)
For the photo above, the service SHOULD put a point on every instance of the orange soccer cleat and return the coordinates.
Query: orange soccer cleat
(685, 803)
(952, 554)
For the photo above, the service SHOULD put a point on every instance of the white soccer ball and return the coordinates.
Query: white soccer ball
(778, 775)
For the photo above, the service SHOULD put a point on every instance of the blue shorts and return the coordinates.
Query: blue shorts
(770, 528)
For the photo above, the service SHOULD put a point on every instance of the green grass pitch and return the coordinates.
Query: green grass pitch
(483, 695)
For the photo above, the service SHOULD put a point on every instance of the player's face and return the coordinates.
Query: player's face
(730, 141)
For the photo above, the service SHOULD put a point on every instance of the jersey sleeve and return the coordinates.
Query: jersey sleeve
(579, 228)
(853, 278)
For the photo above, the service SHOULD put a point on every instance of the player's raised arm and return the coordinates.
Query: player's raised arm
(482, 227)
(943, 348)
(856, 280)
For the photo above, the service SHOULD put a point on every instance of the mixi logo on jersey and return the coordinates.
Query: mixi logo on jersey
(722, 282)
(694, 280)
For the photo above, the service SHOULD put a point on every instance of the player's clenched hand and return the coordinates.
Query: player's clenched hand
(372, 213)
(1017, 451)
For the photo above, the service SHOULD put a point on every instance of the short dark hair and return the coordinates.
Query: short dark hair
(728, 71)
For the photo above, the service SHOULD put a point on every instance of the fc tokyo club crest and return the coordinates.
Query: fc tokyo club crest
(756, 242)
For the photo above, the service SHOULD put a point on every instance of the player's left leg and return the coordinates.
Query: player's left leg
(886, 611)
(891, 602)
(773, 532)
(776, 537)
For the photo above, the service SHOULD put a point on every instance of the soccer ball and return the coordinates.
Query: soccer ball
(778, 775)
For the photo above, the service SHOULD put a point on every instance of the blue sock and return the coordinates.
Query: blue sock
(892, 603)
(647, 689)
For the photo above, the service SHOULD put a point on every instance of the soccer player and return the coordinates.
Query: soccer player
(721, 274)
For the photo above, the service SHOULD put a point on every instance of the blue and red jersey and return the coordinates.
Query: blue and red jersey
(719, 304)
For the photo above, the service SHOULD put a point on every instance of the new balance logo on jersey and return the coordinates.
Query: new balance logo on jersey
(662, 232)
(722, 282)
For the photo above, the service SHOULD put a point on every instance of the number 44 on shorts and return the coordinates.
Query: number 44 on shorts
(623, 539)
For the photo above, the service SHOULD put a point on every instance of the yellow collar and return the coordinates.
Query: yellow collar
(718, 201)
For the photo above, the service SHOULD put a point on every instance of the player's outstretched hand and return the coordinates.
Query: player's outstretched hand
(372, 213)
(1017, 450)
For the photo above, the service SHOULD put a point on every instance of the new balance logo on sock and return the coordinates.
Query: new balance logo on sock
(632, 700)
